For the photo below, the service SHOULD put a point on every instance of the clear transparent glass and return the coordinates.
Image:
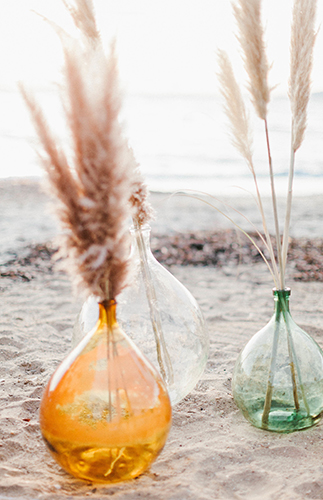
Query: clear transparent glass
(162, 318)
(278, 377)
(105, 413)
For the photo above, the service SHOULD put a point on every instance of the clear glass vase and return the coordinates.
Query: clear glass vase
(162, 318)
(105, 413)
(278, 377)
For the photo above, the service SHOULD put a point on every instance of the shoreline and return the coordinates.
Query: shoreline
(185, 231)
(26, 215)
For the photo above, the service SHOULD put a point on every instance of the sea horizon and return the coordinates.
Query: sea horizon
(181, 142)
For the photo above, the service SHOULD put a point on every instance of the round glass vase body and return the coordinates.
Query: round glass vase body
(105, 413)
(278, 377)
(161, 317)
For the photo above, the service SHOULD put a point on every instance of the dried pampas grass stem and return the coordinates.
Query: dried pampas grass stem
(241, 135)
(303, 38)
(251, 38)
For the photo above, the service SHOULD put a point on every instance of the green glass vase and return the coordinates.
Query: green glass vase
(278, 377)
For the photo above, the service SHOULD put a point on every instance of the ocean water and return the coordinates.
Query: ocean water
(181, 142)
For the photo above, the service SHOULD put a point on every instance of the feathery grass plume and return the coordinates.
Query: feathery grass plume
(241, 135)
(82, 12)
(235, 109)
(84, 19)
(95, 186)
(251, 38)
(143, 212)
(301, 61)
(303, 38)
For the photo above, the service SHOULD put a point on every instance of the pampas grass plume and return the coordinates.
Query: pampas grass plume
(301, 61)
(94, 188)
(235, 109)
(82, 12)
(83, 15)
(251, 38)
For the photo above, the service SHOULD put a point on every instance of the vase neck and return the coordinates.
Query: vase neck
(281, 299)
(140, 238)
(107, 312)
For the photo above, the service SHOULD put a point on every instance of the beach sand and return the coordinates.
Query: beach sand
(212, 451)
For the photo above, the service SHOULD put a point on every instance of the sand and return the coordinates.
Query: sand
(212, 451)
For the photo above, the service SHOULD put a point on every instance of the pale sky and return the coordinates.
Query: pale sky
(164, 46)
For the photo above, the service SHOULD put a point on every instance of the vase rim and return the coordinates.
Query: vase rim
(144, 227)
(108, 303)
(286, 291)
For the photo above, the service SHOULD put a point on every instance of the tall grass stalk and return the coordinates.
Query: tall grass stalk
(241, 136)
(302, 42)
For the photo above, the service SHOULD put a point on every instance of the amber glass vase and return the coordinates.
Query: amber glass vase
(105, 414)
(278, 377)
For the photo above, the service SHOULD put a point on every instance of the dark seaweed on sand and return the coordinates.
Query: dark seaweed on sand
(202, 248)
